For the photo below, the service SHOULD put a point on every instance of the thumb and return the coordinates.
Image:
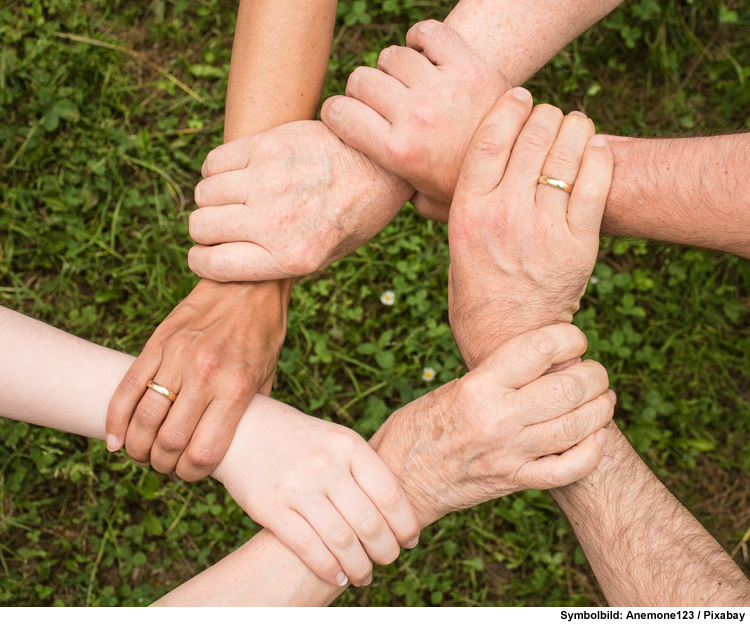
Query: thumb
(440, 43)
(525, 358)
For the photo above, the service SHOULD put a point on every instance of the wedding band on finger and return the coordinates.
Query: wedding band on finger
(556, 183)
(164, 392)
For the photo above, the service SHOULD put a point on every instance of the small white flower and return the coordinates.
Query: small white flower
(428, 374)
(388, 298)
(593, 279)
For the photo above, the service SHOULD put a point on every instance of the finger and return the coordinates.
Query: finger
(359, 126)
(376, 89)
(128, 394)
(297, 534)
(178, 428)
(215, 225)
(224, 188)
(439, 42)
(563, 162)
(487, 157)
(149, 416)
(532, 147)
(210, 441)
(235, 155)
(526, 357)
(589, 197)
(405, 64)
(559, 393)
(561, 434)
(431, 208)
(570, 466)
(236, 262)
(363, 517)
(340, 539)
(382, 488)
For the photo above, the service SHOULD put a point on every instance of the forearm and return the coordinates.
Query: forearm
(688, 191)
(519, 36)
(645, 548)
(279, 61)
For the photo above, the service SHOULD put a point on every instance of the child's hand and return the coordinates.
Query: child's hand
(321, 490)
(416, 113)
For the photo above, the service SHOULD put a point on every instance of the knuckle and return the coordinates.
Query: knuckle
(490, 140)
(589, 195)
(541, 343)
(571, 388)
(389, 496)
(423, 115)
(389, 555)
(536, 137)
(307, 543)
(172, 440)
(564, 155)
(548, 111)
(343, 539)
(203, 456)
(355, 78)
(208, 360)
(371, 526)
(148, 416)
(569, 428)
(362, 572)
(133, 384)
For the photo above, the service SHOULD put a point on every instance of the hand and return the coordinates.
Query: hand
(416, 113)
(286, 203)
(503, 427)
(215, 350)
(321, 489)
(522, 252)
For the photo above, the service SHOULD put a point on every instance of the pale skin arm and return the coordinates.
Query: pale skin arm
(73, 382)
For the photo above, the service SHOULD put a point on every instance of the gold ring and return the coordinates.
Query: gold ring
(164, 392)
(556, 183)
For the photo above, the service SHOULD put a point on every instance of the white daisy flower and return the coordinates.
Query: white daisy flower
(428, 374)
(388, 298)
(593, 279)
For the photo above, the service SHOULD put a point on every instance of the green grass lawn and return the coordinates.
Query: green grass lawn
(100, 146)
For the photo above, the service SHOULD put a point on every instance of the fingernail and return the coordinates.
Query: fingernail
(412, 543)
(601, 437)
(578, 113)
(341, 579)
(613, 396)
(113, 443)
(368, 580)
(522, 94)
(141, 464)
(598, 141)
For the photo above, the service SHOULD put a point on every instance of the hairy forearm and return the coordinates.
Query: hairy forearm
(645, 548)
(279, 61)
(688, 191)
(519, 36)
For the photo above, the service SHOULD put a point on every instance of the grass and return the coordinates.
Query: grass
(108, 111)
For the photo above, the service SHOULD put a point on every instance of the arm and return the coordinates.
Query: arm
(689, 191)
(645, 548)
(220, 345)
(510, 417)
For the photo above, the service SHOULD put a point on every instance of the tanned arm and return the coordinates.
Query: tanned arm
(646, 549)
(688, 191)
